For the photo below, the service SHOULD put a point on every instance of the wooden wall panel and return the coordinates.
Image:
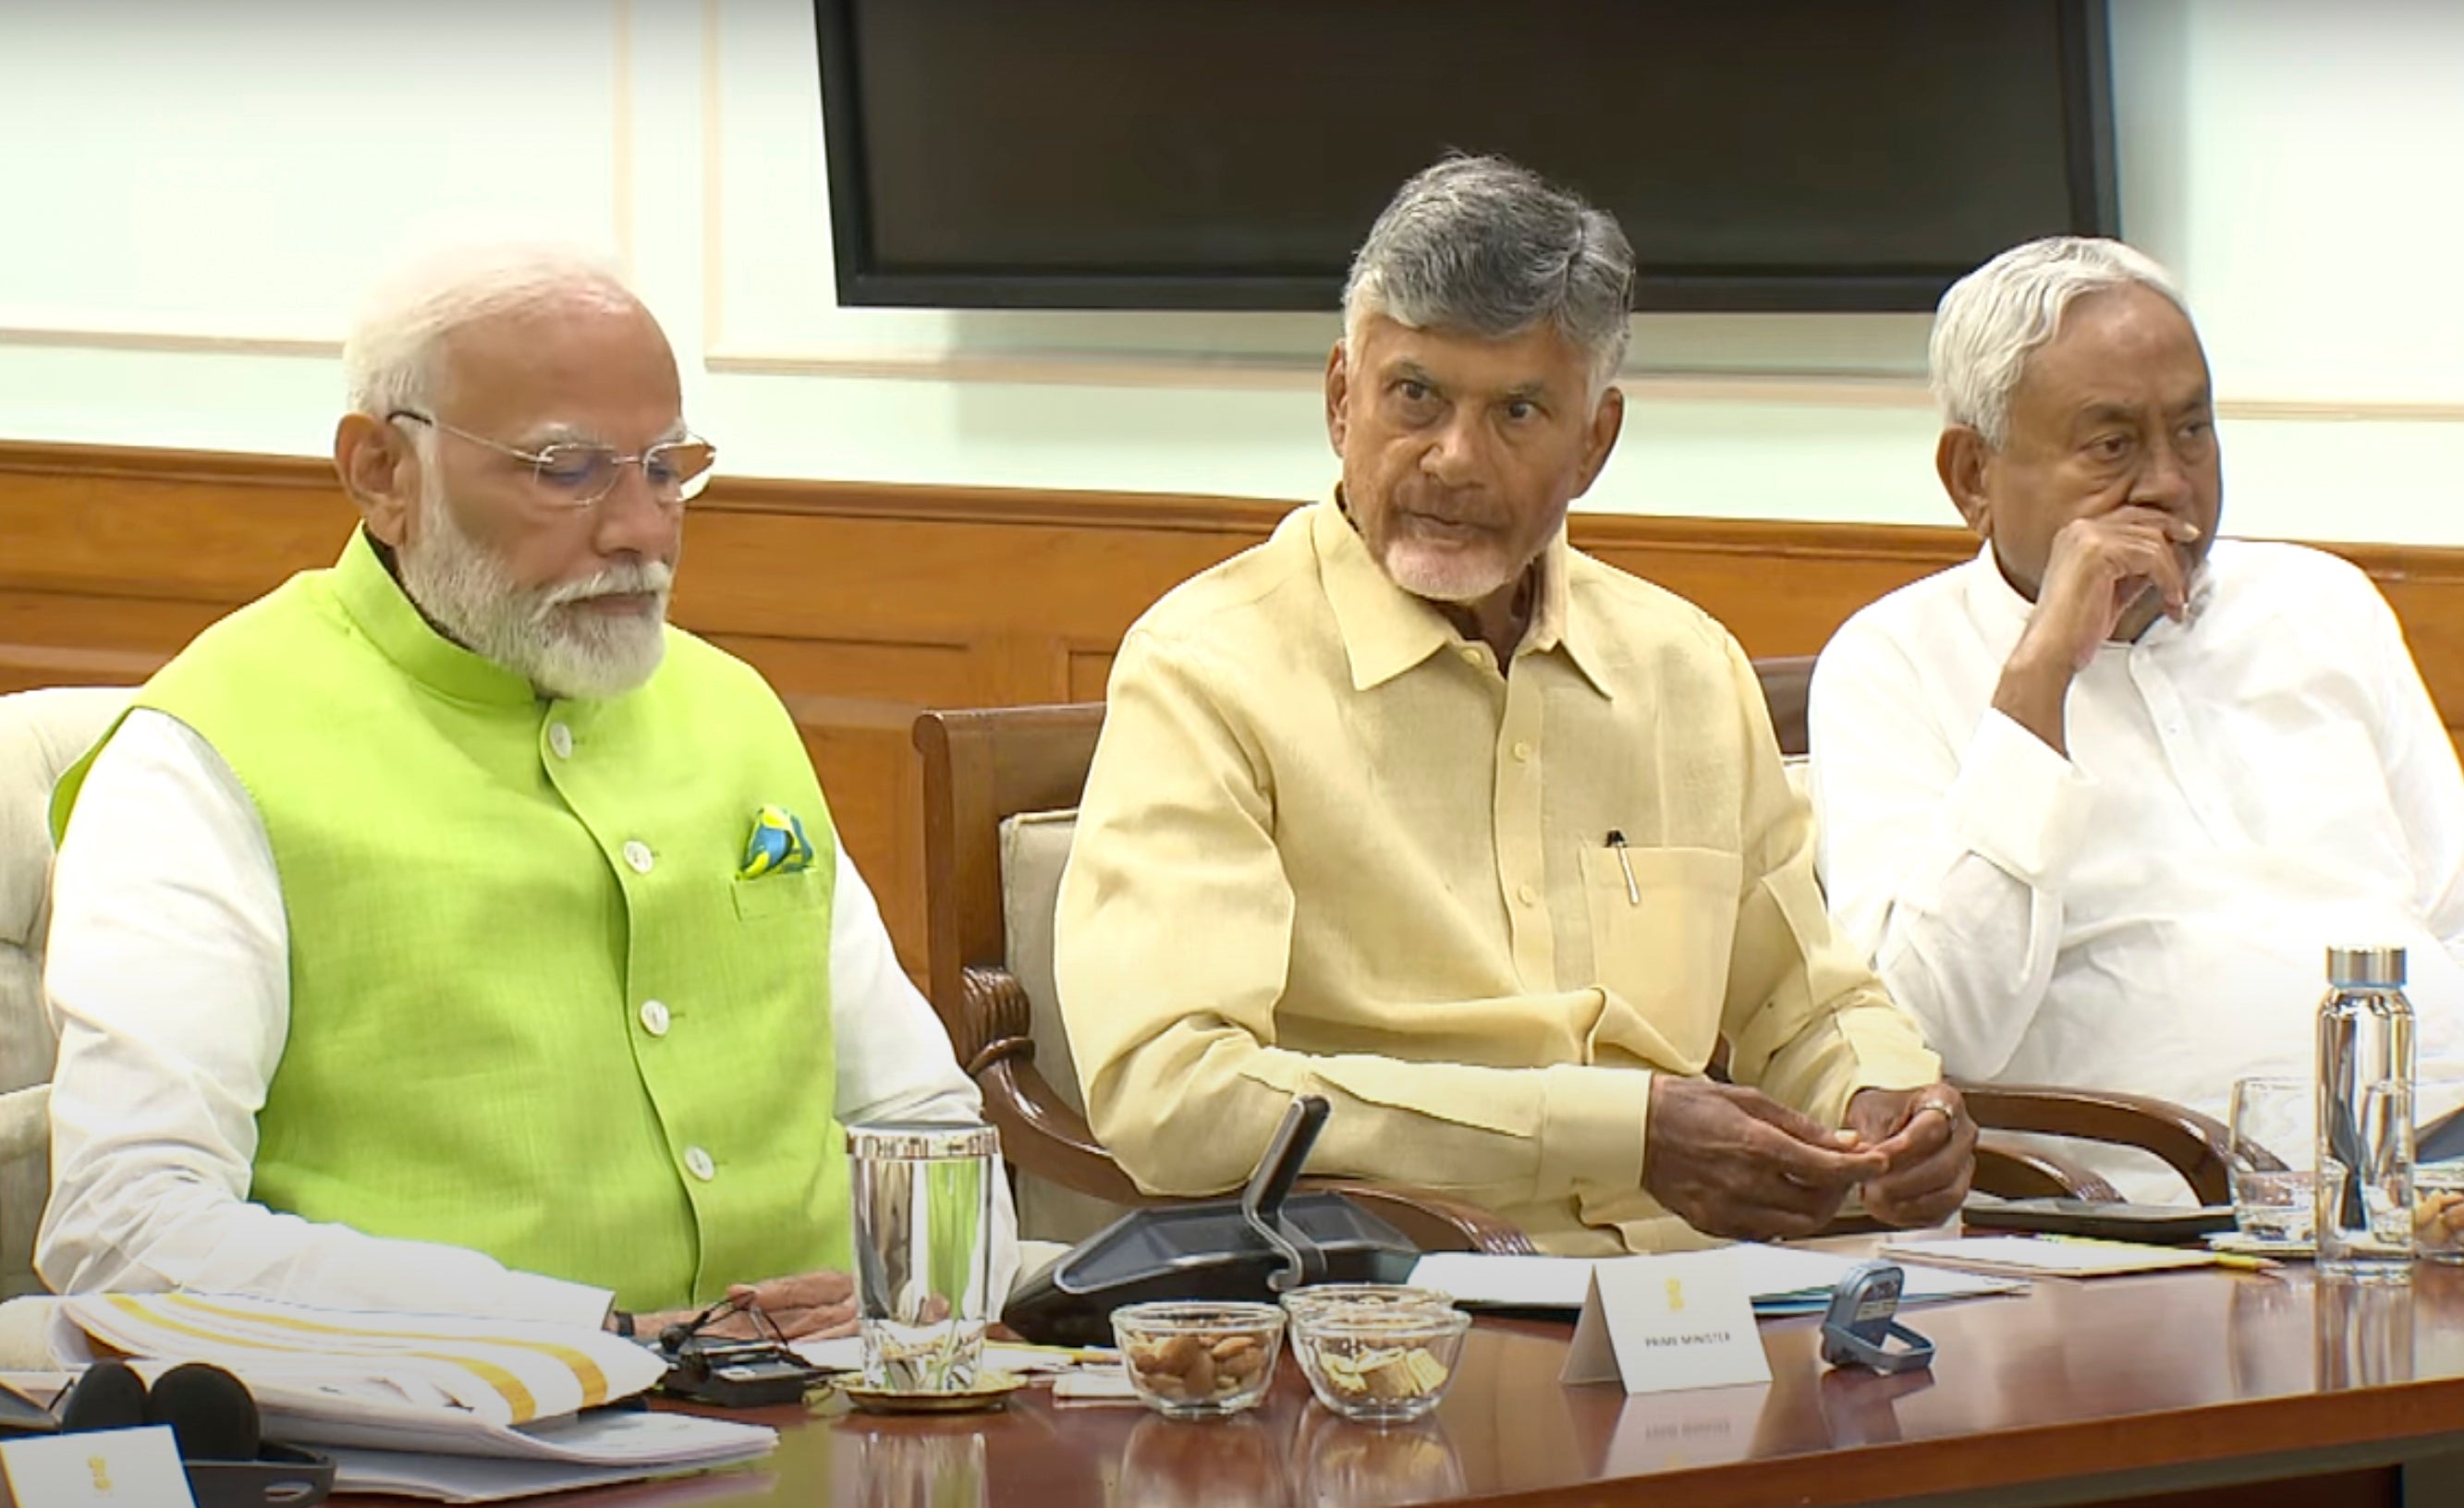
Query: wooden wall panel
(866, 603)
(1089, 670)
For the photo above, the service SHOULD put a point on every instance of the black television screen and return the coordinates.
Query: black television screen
(1230, 154)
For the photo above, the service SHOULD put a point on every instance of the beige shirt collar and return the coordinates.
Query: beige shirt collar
(1387, 630)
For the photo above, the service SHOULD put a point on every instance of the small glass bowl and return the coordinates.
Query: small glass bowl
(2438, 1212)
(1363, 1298)
(1380, 1364)
(1196, 1360)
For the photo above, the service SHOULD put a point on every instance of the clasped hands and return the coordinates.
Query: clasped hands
(1732, 1162)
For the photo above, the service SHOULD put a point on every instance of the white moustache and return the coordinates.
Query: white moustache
(648, 578)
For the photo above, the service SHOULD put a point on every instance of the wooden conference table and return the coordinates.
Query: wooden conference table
(2120, 1390)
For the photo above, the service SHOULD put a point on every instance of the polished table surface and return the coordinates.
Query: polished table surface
(2072, 1392)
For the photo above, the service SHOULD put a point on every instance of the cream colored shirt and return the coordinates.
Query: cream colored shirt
(1327, 848)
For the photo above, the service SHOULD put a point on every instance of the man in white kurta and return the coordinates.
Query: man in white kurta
(2099, 800)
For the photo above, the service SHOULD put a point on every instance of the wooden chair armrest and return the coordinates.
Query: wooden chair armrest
(2028, 1172)
(1434, 1222)
(1039, 1132)
(993, 1019)
(2196, 1146)
(1043, 1136)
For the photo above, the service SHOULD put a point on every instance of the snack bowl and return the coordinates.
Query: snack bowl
(2438, 1212)
(1380, 1364)
(1363, 1298)
(1199, 1360)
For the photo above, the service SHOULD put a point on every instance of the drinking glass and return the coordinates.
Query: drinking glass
(923, 1197)
(2278, 1116)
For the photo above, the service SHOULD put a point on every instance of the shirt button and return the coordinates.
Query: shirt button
(698, 1163)
(637, 854)
(1527, 895)
(1472, 654)
(1523, 753)
(560, 739)
(654, 1018)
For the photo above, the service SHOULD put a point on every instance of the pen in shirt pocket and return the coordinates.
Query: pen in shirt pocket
(1616, 840)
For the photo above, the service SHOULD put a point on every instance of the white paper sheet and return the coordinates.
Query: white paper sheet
(1779, 1278)
(481, 1479)
(2050, 1257)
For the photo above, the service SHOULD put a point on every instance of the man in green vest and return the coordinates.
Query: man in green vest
(445, 931)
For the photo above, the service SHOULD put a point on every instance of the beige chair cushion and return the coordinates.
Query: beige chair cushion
(1035, 847)
(41, 734)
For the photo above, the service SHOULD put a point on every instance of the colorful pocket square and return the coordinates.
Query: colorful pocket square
(777, 844)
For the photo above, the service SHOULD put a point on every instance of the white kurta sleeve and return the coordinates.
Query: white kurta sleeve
(2424, 782)
(894, 1059)
(1943, 853)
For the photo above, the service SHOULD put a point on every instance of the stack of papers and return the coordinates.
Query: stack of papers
(1780, 1279)
(487, 1479)
(2051, 1255)
(432, 1384)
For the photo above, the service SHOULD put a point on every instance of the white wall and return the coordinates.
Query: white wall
(194, 194)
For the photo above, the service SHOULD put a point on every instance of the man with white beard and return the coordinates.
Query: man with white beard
(445, 931)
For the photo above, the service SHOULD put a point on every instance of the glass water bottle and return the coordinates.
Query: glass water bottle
(2366, 1066)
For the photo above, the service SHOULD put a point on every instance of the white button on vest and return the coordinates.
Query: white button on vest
(698, 1163)
(1523, 753)
(559, 739)
(654, 1018)
(1528, 895)
(637, 854)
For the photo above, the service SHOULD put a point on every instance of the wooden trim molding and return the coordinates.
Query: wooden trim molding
(866, 603)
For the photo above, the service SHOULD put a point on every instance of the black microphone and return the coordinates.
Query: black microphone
(109, 1397)
(209, 1411)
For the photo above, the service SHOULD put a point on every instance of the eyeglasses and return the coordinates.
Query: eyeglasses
(702, 1330)
(579, 475)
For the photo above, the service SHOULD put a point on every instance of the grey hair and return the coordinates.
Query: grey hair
(1995, 318)
(391, 359)
(1481, 245)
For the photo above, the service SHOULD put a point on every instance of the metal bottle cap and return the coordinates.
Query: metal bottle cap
(916, 1140)
(2366, 968)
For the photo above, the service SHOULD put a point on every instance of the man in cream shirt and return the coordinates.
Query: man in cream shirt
(1417, 809)
(2098, 800)
(411, 946)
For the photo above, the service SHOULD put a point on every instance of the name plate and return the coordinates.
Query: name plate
(97, 1469)
(1665, 1323)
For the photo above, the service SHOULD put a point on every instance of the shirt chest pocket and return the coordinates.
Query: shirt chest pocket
(1662, 920)
(772, 965)
(795, 892)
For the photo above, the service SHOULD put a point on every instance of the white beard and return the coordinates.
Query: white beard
(464, 590)
(1443, 575)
